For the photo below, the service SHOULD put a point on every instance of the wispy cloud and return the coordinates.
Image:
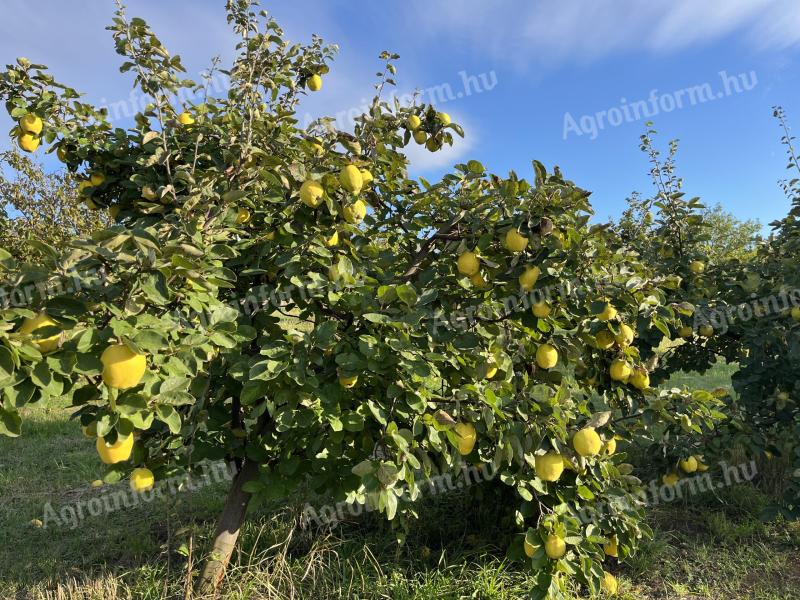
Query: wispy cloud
(540, 32)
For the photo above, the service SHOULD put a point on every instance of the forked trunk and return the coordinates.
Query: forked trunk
(230, 522)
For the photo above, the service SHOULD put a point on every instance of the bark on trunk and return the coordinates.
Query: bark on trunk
(230, 522)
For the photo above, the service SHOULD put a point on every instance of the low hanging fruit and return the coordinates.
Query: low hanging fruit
(118, 452)
(38, 322)
(608, 313)
(122, 367)
(555, 547)
(620, 370)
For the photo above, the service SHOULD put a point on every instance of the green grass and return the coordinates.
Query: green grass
(710, 548)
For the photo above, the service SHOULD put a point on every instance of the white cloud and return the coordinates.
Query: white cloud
(542, 32)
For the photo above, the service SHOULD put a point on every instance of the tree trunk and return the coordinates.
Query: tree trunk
(230, 521)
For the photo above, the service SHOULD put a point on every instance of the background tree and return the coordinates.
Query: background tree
(40, 206)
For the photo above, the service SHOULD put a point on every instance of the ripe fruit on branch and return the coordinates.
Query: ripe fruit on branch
(546, 356)
(478, 281)
(610, 547)
(242, 216)
(670, 479)
(608, 313)
(625, 336)
(697, 267)
(413, 122)
(466, 434)
(348, 382)
(549, 466)
(688, 465)
(491, 370)
(541, 310)
(351, 180)
(620, 370)
(31, 123)
(314, 83)
(515, 241)
(587, 442)
(530, 550)
(28, 142)
(38, 322)
(605, 339)
(706, 331)
(115, 453)
(122, 367)
(355, 212)
(640, 379)
(311, 193)
(468, 263)
(555, 547)
(529, 277)
(609, 447)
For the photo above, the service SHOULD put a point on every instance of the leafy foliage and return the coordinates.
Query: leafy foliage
(301, 306)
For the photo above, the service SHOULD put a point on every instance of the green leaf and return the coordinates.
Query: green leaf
(170, 416)
(10, 423)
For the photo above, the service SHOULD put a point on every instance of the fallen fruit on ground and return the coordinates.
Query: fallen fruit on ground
(142, 480)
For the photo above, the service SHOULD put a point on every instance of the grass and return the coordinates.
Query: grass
(713, 547)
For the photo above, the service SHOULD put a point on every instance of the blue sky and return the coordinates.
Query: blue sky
(540, 65)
